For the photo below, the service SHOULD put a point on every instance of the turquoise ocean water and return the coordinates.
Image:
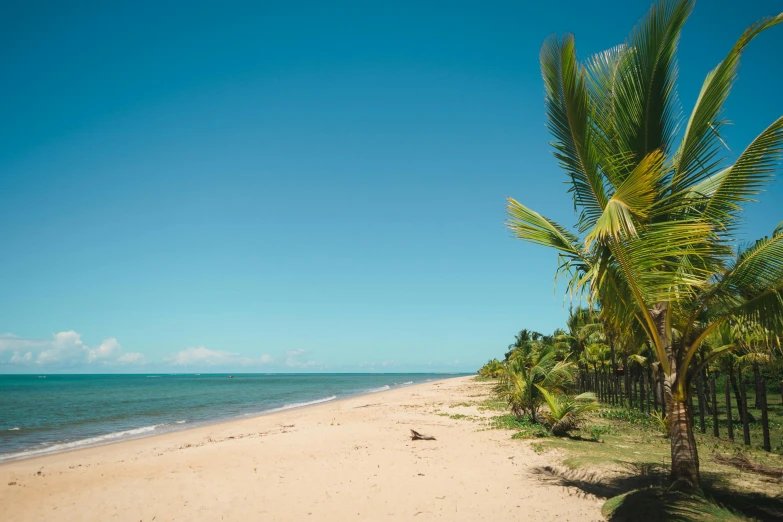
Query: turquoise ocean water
(44, 414)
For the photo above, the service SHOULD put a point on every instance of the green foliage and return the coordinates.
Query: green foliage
(661, 423)
(492, 369)
(658, 209)
(523, 427)
(566, 413)
(656, 504)
(596, 432)
(526, 374)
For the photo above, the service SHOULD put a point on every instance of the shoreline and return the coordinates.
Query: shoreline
(344, 460)
(177, 428)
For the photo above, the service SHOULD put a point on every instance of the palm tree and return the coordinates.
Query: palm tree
(492, 369)
(521, 377)
(566, 413)
(658, 208)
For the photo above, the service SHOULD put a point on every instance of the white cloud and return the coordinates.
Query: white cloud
(131, 358)
(205, 356)
(384, 364)
(13, 343)
(293, 359)
(64, 349)
(18, 358)
(109, 349)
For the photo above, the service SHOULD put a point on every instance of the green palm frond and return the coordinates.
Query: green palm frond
(568, 109)
(700, 147)
(754, 168)
(566, 413)
(647, 105)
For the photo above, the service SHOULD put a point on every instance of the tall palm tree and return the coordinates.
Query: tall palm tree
(658, 208)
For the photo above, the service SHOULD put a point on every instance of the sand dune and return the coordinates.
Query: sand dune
(341, 460)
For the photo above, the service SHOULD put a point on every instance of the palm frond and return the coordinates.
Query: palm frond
(568, 110)
(699, 150)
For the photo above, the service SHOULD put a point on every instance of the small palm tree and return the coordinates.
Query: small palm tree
(566, 413)
(492, 369)
(523, 377)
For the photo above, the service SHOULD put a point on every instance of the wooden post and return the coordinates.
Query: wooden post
(744, 412)
(641, 390)
(714, 396)
(764, 415)
(728, 409)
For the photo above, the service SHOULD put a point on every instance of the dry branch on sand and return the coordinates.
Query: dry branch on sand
(415, 435)
(742, 462)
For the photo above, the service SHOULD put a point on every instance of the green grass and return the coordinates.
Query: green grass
(621, 455)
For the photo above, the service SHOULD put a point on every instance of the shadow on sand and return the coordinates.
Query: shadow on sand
(641, 494)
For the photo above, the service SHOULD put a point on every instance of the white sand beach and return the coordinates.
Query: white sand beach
(344, 460)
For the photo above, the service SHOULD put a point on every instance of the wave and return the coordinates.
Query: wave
(180, 422)
(91, 441)
(382, 388)
(301, 404)
(14, 429)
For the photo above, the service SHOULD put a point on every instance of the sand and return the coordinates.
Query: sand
(343, 460)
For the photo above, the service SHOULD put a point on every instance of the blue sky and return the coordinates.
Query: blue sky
(299, 187)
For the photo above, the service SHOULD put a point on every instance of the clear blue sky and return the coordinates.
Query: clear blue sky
(294, 186)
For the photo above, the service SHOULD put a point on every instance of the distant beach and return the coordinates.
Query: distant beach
(61, 412)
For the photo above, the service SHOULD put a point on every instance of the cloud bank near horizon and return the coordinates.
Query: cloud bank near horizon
(67, 352)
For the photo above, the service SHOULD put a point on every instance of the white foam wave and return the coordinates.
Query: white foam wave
(14, 429)
(180, 422)
(301, 404)
(382, 388)
(407, 383)
(79, 443)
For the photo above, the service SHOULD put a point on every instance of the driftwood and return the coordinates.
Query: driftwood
(742, 462)
(415, 435)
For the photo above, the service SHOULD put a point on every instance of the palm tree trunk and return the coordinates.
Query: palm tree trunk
(684, 455)
(690, 402)
(728, 409)
(738, 395)
(757, 384)
(702, 404)
(714, 396)
(642, 394)
(614, 370)
(627, 379)
(704, 380)
(764, 414)
(685, 459)
(653, 386)
(744, 412)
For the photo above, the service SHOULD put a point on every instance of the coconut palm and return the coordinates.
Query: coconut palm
(493, 368)
(521, 377)
(658, 208)
(566, 413)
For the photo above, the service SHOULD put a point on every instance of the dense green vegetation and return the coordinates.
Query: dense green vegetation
(671, 294)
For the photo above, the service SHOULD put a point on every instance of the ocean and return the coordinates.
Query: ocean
(45, 414)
